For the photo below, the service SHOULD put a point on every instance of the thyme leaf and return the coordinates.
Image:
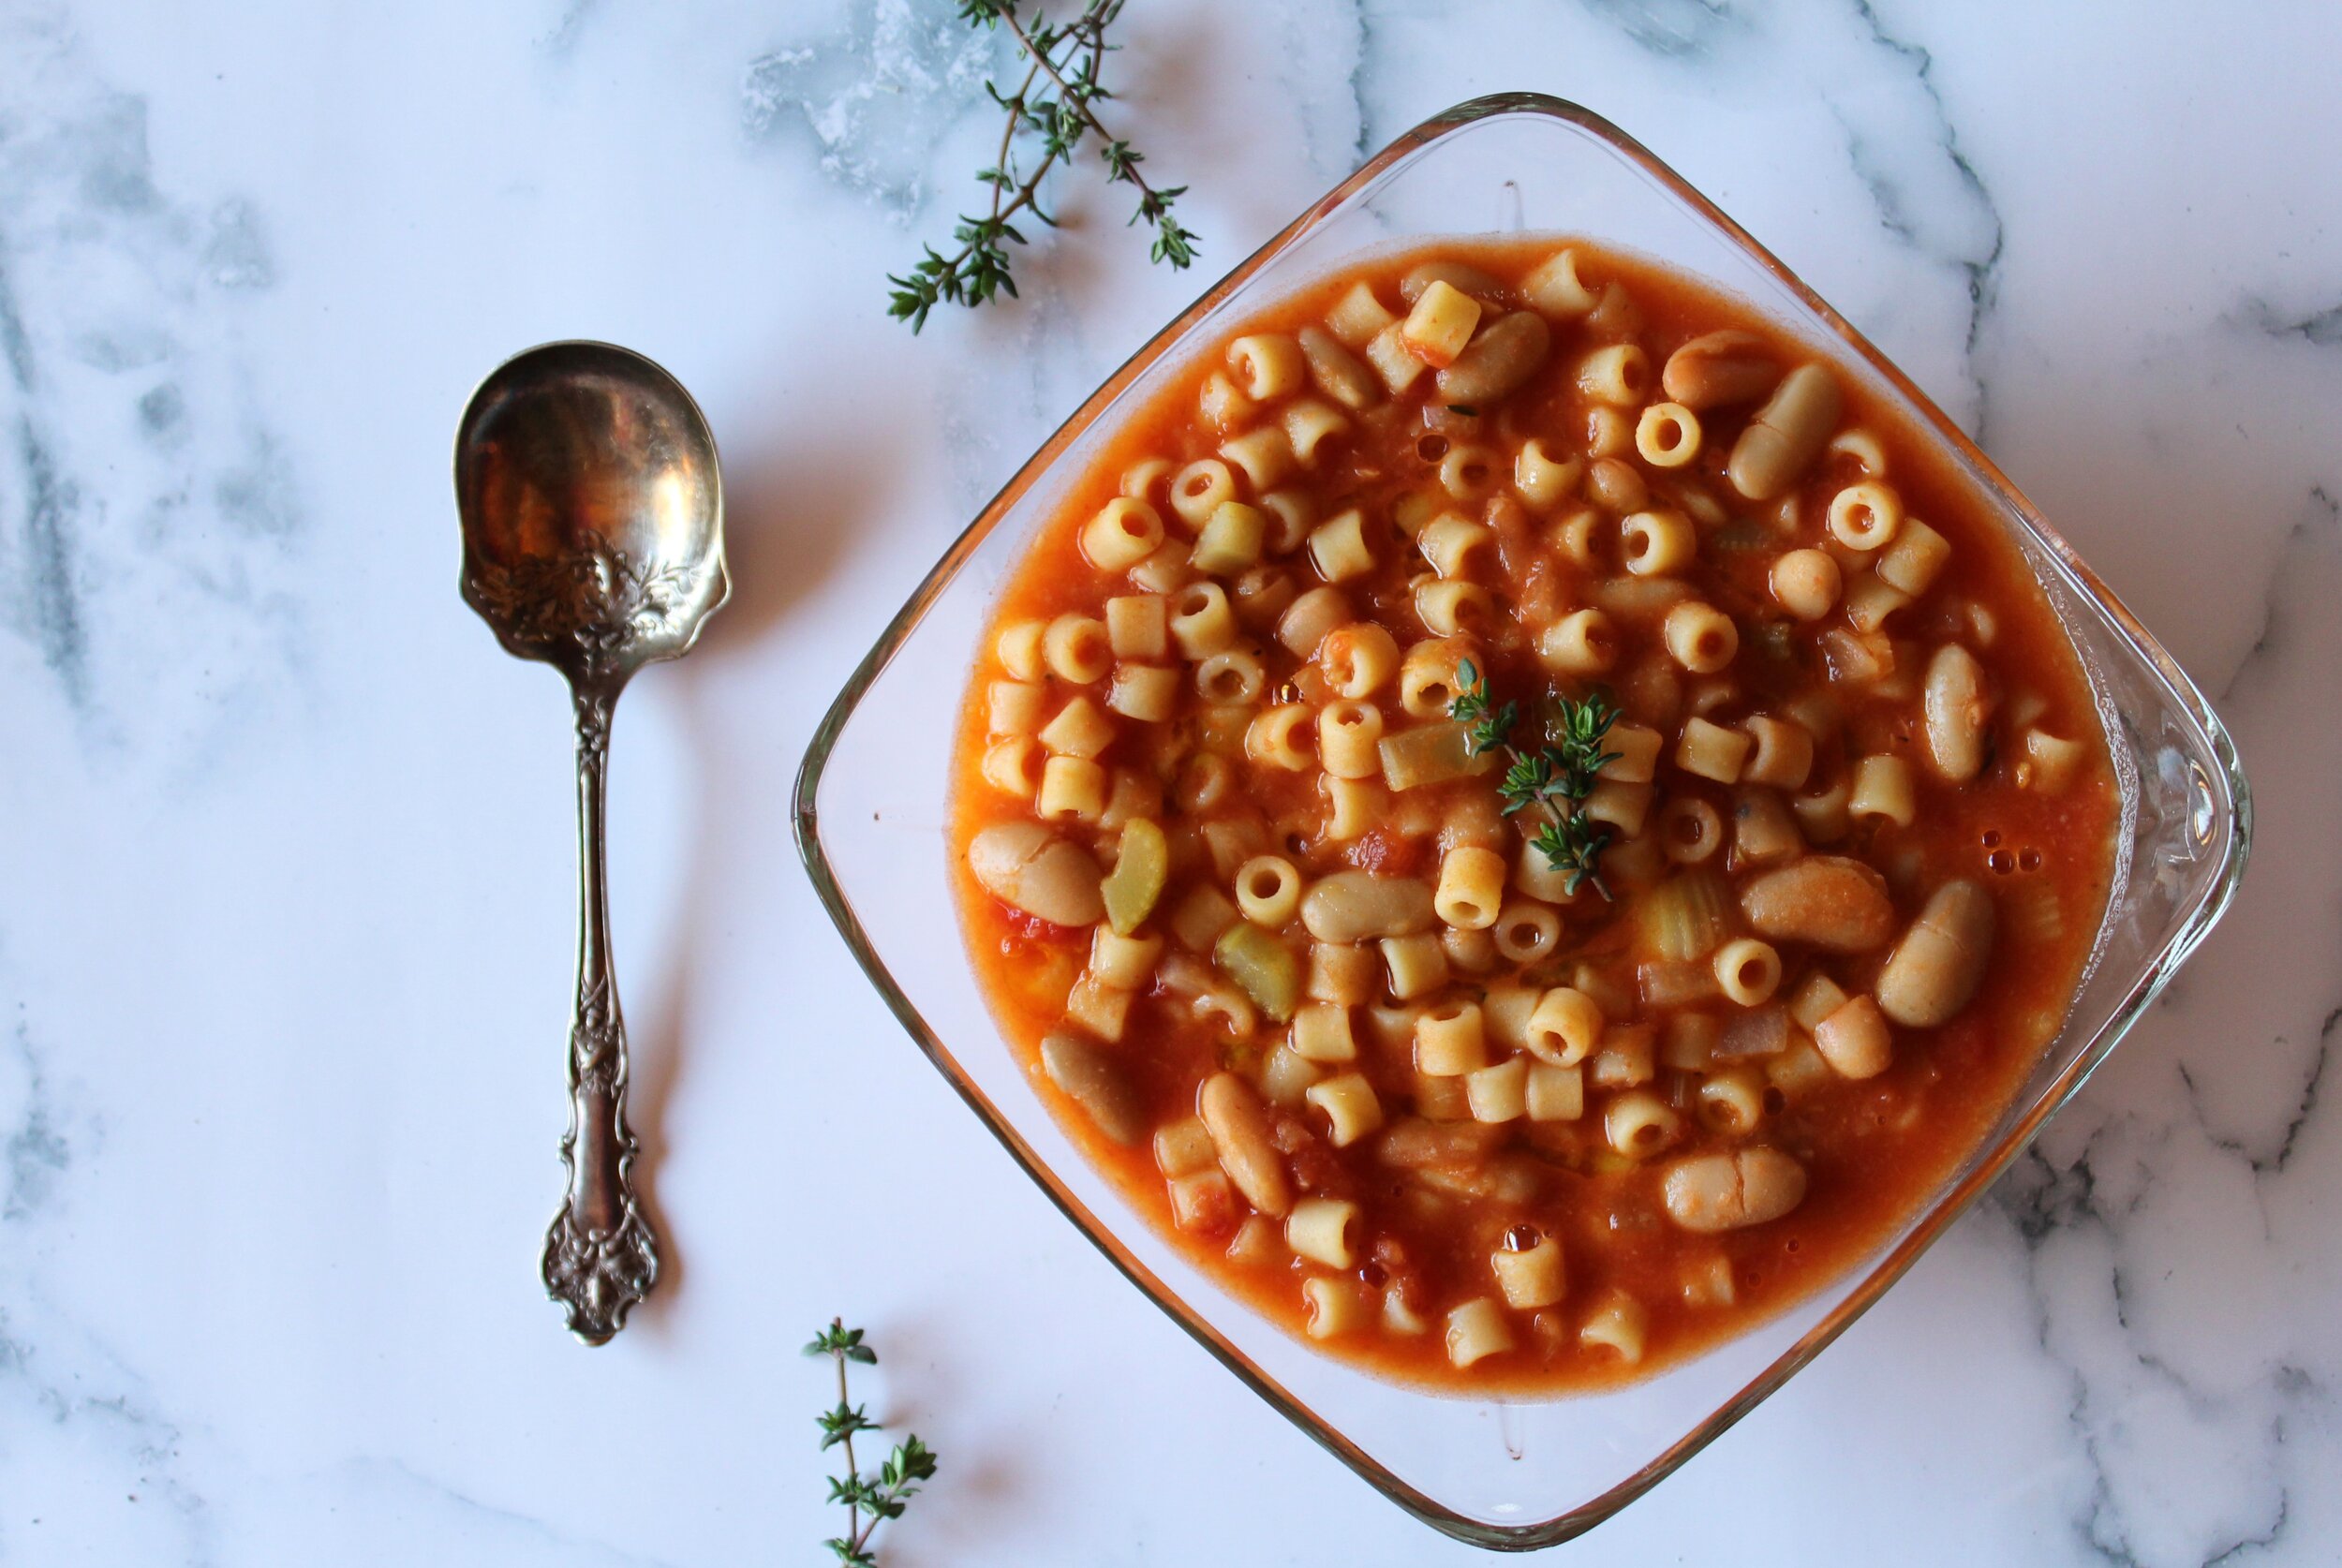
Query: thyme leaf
(1552, 777)
(870, 1500)
(1049, 114)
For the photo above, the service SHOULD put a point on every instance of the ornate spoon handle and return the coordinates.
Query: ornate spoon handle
(601, 1256)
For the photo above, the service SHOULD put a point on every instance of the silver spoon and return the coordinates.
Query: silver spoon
(593, 519)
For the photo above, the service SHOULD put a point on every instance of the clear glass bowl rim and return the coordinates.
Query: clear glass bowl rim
(2180, 689)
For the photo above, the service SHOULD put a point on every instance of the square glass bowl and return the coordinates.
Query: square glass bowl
(871, 811)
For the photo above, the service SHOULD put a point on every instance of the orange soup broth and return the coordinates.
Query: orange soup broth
(1875, 1151)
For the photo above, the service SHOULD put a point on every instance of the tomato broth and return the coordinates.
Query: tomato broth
(1481, 1053)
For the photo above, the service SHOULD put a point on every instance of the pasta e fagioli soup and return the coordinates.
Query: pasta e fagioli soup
(1525, 818)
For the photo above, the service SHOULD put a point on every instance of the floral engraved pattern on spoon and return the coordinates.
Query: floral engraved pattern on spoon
(597, 598)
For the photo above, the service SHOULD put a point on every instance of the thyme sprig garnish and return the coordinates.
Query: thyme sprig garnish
(1554, 777)
(1052, 110)
(880, 1497)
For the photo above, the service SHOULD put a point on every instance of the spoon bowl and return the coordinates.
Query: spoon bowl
(592, 508)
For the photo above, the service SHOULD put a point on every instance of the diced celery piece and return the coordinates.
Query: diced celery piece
(1683, 919)
(1264, 967)
(1135, 882)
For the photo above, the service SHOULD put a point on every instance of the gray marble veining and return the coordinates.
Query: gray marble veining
(253, 1076)
(136, 470)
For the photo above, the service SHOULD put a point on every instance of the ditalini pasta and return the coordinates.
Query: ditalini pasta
(1245, 891)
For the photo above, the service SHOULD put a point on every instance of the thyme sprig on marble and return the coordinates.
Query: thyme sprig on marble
(870, 1500)
(1553, 777)
(1050, 113)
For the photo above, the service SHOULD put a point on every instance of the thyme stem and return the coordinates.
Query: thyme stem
(1072, 58)
(855, 1535)
(870, 1500)
(1027, 193)
(1553, 779)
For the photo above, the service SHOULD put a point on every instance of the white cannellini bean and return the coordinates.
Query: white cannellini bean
(1098, 1083)
(1957, 707)
(1934, 971)
(1498, 360)
(1025, 864)
(1786, 434)
(1827, 901)
(1238, 1125)
(1727, 1190)
(1719, 368)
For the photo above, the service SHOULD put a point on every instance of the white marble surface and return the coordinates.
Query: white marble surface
(285, 886)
